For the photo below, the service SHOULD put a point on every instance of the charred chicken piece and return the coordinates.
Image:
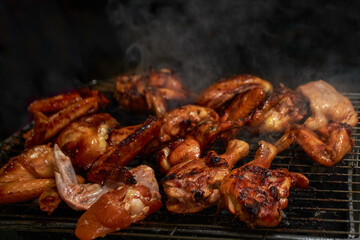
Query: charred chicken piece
(206, 133)
(327, 105)
(192, 186)
(47, 127)
(85, 140)
(241, 109)
(150, 91)
(256, 194)
(216, 95)
(120, 208)
(120, 155)
(335, 142)
(122, 133)
(279, 112)
(179, 122)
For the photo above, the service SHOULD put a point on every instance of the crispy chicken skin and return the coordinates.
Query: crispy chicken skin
(192, 186)
(256, 194)
(54, 104)
(177, 151)
(241, 109)
(63, 109)
(279, 112)
(120, 208)
(327, 105)
(335, 142)
(180, 121)
(85, 140)
(125, 151)
(216, 95)
(27, 175)
(149, 91)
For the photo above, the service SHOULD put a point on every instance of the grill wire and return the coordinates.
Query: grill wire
(327, 209)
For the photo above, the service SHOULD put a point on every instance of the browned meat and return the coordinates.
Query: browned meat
(335, 142)
(35, 162)
(256, 194)
(54, 104)
(64, 109)
(279, 112)
(178, 151)
(327, 105)
(241, 109)
(122, 133)
(192, 186)
(180, 121)
(85, 140)
(150, 91)
(216, 95)
(120, 155)
(120, 208)
(206, 133)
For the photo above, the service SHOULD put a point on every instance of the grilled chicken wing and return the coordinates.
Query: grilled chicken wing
(47, 127)
(150, 91)
(279, 112)
(85, 140)
(55, 103)
(328, 152)
(256, 194)
(192, 186)
(27, 175)
(120, 208)
(216, 95)
(327, 105)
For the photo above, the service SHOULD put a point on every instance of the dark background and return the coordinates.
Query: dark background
(49, 47)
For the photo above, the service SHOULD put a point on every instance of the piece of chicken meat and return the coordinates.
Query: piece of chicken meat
(85, 140)
(327, 105)
(279, 112)
(120, 208)
(257, 194)
(192, 186)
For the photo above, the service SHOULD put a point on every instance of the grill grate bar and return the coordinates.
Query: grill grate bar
(325, 200)
(324, 209)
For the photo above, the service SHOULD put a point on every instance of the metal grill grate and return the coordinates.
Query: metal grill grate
(328, 209)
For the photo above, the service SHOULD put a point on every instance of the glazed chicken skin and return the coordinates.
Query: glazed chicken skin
(192, 186)
(63, 110)
(327, 105)
(180, 121)
(85, 140)
(329, 146)
(177, 151)
(279, 112)
(125, 151)
(326, 134)
(241, 110)
(218, 94)
(119, 208)
(150, 91)
(27, 175)
(256, 194)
